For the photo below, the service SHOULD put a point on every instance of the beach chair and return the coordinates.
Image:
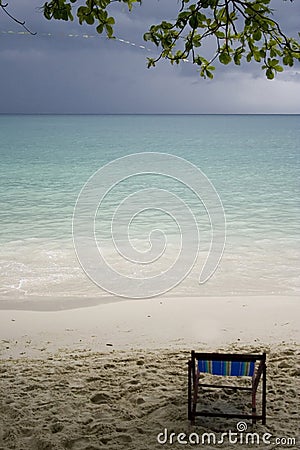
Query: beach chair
(226, 364)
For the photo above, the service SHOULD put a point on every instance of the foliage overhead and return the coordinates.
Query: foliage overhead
(236, 30)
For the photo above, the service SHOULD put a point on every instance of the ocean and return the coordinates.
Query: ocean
(252, 161)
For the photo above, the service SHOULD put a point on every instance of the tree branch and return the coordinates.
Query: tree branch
(22, 23)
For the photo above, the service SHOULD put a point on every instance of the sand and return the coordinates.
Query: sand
(114, 376)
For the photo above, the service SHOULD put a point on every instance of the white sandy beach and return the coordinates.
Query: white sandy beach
(114, 376)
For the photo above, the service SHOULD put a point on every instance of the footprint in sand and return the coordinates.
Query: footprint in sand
(100, 397)
(122, 438)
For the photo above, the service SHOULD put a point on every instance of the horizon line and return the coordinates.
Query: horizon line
(144, 114)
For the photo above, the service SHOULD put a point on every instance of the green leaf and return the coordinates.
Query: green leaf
(220, 34)
(288, 60)
(224, 58)
(109, 30)
(89, 19)
(110, 21)
(262, 53)
(270, 74)
(237, 59)
(151, 62)
(99, 28)
(47, 12)
(273, 62)
(193, 22)
(257, 56)
(278, 68)
(257, 35)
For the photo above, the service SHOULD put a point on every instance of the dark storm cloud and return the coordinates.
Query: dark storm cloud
(65, 74)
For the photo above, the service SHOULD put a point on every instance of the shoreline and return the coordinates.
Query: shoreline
(59, 303)
(48, 304)
(155, 323)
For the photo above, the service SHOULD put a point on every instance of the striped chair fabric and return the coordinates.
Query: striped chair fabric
(227, 368)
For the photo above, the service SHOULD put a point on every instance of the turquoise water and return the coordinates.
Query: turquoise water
(252, 161)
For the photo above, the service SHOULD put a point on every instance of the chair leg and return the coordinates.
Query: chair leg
(253, 406)
(195, 398)
(189, 390)
(264, 395)
(253, 400)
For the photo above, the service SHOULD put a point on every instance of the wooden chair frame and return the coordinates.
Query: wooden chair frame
(194, 377)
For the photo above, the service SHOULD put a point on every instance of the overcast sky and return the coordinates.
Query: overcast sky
(61, 74)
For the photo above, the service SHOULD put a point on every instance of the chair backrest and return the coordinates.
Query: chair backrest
(227, 364)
